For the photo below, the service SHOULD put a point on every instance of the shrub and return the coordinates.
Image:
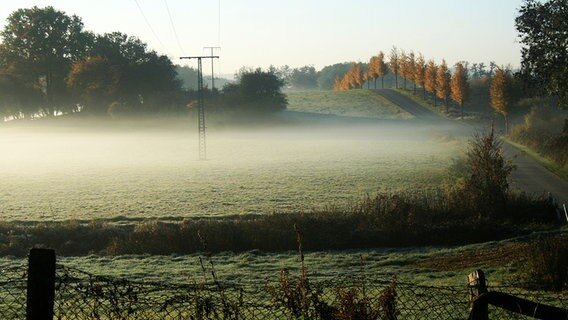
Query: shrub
(547, 263)
(546, 131)
(483, 187)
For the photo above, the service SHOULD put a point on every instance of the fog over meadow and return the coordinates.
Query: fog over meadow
(124, 172)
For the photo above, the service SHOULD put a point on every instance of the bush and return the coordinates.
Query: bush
(546, 131)
(483, 186)
(547, 263)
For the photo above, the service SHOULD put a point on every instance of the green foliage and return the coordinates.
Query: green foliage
(303, 78)
(486, 172)
(39, 45)
(546, 131)
(48, 51)
(256, 93)
(328, 74)
(17, 100)
(122, 70)
(543, 29)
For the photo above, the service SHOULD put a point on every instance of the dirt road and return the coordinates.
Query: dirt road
(529, 176)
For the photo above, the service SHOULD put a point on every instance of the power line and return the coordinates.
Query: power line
(212, 72)
(201, 104)
(150, 26)
(173, 27)
(219, 25)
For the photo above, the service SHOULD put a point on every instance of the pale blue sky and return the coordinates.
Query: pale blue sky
(305, 32)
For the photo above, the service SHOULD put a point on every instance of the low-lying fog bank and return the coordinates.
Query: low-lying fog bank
(88, 170)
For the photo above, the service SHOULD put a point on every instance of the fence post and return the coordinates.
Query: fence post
(41, 284)
(477, 287)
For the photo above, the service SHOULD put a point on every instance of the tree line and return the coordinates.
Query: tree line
(50, 65)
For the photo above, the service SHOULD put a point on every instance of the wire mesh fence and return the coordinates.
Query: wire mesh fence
(13, 282)
(82, 295)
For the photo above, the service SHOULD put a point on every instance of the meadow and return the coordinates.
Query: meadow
(85, 174)
(351, 103)
(132, 173)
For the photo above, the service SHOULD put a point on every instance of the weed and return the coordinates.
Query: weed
(547, 263)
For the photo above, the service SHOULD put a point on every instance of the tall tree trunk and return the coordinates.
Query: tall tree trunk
(461, 107)
(506, 123)
(382, 82)
(375, 83)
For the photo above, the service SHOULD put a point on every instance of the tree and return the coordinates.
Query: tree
(17, 100)
(119, 48)
(124, 73)
(410, 62)
(328, 75)
(303, 78)
(39, 45)
(91, 80)
(443, 82)
(460, 86)
(403, 66)
(430, 78)
(500, 94)
(261, 91)
(487, 172)
(419, 70)
(394, 63)
(543, 32)
(382, 68)
(373, 70)
(355, 76)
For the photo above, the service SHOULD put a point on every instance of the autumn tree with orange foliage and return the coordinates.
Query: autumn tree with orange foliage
(354, 78)
(410, 62)
(500, 94)
(443, 83)
(430, 78)
(382, 68)
(459, 86)
(394, 63)
(402, 66)
(419, 70)
(373, 70)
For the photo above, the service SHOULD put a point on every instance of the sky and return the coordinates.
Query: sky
(260, 33)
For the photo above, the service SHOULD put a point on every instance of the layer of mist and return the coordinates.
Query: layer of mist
(123, 171)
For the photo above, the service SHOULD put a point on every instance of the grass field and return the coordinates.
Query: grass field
(351, 103)
(70, 172)
(131, 175)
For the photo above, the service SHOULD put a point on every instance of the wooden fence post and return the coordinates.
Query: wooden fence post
(41, 284)
(477, 287)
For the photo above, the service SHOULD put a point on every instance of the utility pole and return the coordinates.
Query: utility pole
(212, 74)
(201, 105)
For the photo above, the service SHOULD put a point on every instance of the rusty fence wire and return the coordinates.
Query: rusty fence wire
(82, 295)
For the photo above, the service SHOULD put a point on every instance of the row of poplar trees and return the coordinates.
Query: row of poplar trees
(434, 79)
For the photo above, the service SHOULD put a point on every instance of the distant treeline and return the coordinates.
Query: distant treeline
(50, 65)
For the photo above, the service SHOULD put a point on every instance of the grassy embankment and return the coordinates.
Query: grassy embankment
(350, 103)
